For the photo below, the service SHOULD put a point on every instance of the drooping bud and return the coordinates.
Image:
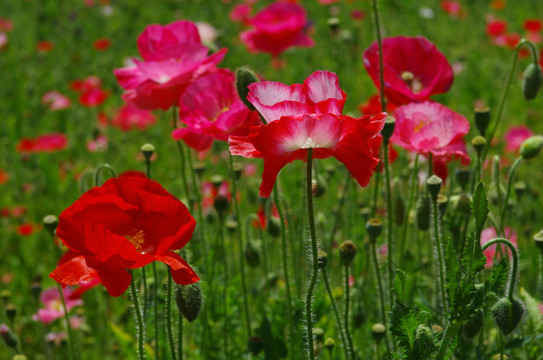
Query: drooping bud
(323, 259)
(388, 129)
(533, 78)
(147, 150)
(478, 143)
(507, 313)
(274, 227)
(538, 239)
(252, 254)
(255, 345)
(423, 213)
(482, 119)
(50, 223)
(378, 331)
(244, 78)
(189, 300)
(531, 147)
(433, 184)
(423, 344)
(347, 252)
(374, 228)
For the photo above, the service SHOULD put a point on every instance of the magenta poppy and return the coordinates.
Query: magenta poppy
(132, 117)
(414, 69)
(173, 56)
(212, 110)
(304, 116)
(431, 128)
(277, 27)
(43, 143)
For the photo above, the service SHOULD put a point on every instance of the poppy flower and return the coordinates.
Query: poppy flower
(101, 44)
(277, 27)
(211, 109)
(4, 40)
(6, 24)
(43, 143)
(373, 106)
(414, 69)
(173, 56)
(496, 28)
(126, 223)
(515, 136)
(93, 97)
(241, 13)
(45, 46)
(86, 84)
(532, 25)
(304, 116)
(52, 302)
(491, 253)
(54, 100)
(431, 128)
(4, 176)
(132, 117)
(453, 8)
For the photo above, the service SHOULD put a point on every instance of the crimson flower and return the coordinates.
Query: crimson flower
(101, 44)
(277, 27)
(431, 128)
(132, 117)
(124, 224)
(93, 97)
(45, 46)
(86, 84)
(43, 143)
(307, 116)
(173, 56)
(211, 109)
(414, 69)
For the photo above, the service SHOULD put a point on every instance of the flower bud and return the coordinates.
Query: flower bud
(473, 324)
(252, 255)
(147, 150)
(333, 24)
(423, 213)
(538, 239)
(50, 223)
(374, 228)
(365, 213)
(347, 252)
(532, 81)
(423, 344)
(318, 186)
(478, 143)
(531, 147)
(199, 168)
(274, 227)
(462, 176)
(244, 78)
(220, 203)
(433, 184)
(11, 311)
(231, 225)
(378, 331)
(8, 337)
(388, 129)
(238, 169)
(189, 300)
(462, 203)
(507, 313)
(35, 289)
(319, 334)
(329, 344)
(482, 119)
(255, 345)
(323, 259)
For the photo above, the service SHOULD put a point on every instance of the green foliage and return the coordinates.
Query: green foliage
(479, 206)
(273, 346)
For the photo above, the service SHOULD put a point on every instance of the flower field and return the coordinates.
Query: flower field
(242, 179)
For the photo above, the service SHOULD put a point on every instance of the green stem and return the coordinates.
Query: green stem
(240, 246)
(181, 154)
(68, 326)
(412, 187)
(347, 299)
(99, 169)
(513, 273)
(381, 293)
(155, 310)
(314, 254)
(380, 44)
(450, 333)
(145, 297)
(335, 223)
(506, 90)
(336, 313)
(180, 336)
(226, 324)
(169, 316)
(376, 184)
(139, 318)
(516, 164)
(290, 317)
(439, 254)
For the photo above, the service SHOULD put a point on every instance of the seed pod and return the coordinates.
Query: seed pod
(347, 252)
(433, 184)
(322, 258)
(147, 150)
(478, 143)
(252, 254)
(508, 313)
(482, 119)
(473, 324)
(244, 78)
(531, 147)
(378, 331)
(388, 129)
(189, 300)
(329, 344)
(221, 204)
(423, 213)
(374, 228)
(533, 78)
(50, 223)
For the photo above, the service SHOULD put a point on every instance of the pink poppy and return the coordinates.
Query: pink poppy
(173, 56)
(414, 69)
(241, 13)
(54, 100)
(430, 127)
(453, 8)
(277, 27)
(132, 117)
(86, 84)
(97, 144)
(43, 143)
(4, 40)
(492, 253)
(211, 109)
(304, 116)
(515, 136)
(93, 97)
(52, 302)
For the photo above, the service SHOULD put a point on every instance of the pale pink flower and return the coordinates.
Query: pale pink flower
(98, 144)
(54, 100)
(53, 309)
(492, 253)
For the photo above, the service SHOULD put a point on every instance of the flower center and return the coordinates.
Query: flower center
(310, 144)
(137, 239)
(414, 83)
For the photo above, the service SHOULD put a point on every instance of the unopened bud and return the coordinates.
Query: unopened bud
(216, 180)
(11, 311)
(147, 150)
(433, 184)
(520, 189)
(374, 227)
(423, 344)
(478, 143)
(482, 119)
(347, 252)
(323, 259)
(329, 344)
(378, 331)
(333, 24)
(507, 313)
(252, 255)
(533, 78)
(473, 325)
(531, 147)
(462, 176)
(189, 300)
(231, 226)
(388, 129)
(538, 239)
(274, 226)
(244, 78)
(221, 204)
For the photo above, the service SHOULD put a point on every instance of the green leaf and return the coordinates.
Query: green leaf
(402, 285)
(473, 259)
(479, 206)
(403, 324)
(274, 349)
(452, 275)
(496, 280)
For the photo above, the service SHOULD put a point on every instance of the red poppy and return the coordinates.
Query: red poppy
(45, 46)
(532, 25)
(373, 106)
(86, 84)
(25, 229)
(6, 24)
(4, 176)
(93, 97)
(43, 143)
(124, 224)
(496, 28)
(277, 27)
(101, 44)
(304, 116)
(414, 69)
